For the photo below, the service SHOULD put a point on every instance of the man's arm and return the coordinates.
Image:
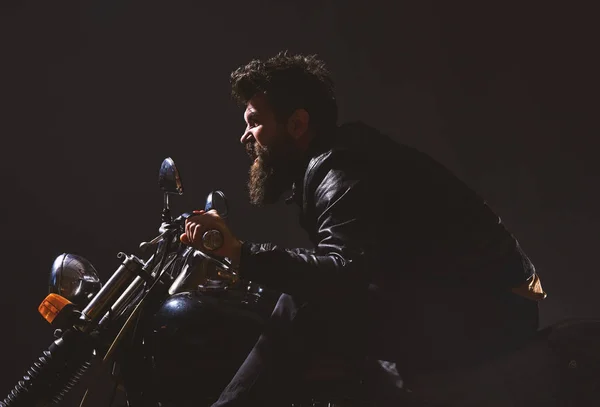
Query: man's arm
(340, 260)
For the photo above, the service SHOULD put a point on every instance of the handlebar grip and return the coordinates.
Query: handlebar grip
(212, 240)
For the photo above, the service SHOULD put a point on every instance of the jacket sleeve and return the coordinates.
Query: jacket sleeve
(340, 260)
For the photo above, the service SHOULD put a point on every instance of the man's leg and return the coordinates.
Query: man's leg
(266, 375)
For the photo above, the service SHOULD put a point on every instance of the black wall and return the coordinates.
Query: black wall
(95, 94)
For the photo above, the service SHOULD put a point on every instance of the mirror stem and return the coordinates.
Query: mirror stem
(166, 213)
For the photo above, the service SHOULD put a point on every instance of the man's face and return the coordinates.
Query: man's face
(272, 150)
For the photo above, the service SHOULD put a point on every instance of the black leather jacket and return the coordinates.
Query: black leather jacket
(404, 251)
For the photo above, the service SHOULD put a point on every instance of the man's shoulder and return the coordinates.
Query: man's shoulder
(359, 150)
(355, 145)
(358, 135)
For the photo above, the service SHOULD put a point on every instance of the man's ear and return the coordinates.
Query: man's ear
(297, 125)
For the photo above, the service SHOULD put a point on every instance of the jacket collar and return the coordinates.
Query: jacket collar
(316, 147)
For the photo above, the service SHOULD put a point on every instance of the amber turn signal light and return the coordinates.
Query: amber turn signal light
(52, 305)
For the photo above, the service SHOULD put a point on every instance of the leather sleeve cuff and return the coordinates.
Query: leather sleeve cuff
(247, 265)
(246, 252)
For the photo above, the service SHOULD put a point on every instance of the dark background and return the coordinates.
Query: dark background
(95, 94)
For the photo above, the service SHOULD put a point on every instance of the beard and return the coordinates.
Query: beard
(272, 171)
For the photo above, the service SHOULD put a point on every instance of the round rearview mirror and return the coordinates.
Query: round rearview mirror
(216, 200)
(74, 278)
(169, 179)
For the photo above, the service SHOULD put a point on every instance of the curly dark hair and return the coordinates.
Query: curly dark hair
(289, 82)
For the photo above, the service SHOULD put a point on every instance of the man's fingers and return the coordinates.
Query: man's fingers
(197, 224)
(196, 230)
(188, 230)
(208, 219)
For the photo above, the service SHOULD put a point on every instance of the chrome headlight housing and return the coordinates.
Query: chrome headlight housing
(74, 278)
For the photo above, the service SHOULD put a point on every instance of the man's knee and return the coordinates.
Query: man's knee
(285, 309)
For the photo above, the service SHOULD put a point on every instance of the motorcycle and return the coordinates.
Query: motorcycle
(173, 327)
(154, 324)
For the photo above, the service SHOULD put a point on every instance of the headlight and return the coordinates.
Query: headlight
(74, 278)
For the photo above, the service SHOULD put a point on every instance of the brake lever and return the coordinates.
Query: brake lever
(144, 246)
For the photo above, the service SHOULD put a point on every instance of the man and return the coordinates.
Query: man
(411, 271)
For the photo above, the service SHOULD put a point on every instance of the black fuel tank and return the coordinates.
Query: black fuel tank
(198, 341)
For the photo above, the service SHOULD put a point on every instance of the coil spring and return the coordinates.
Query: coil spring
(56, 372)
(71, 381)
(20, 391)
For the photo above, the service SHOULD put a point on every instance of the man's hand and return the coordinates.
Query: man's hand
(197, 225)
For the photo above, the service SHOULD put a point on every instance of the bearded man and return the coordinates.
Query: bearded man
(411, 272)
